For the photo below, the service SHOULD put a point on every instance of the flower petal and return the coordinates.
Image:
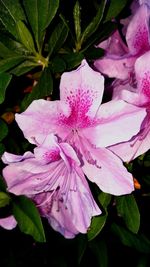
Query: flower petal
(115, 67)
(137, 35)
(118, 122)
(107, 171)
(42, 118)
(8, 223)
(8, 158)
(142, 71)
(82, 89)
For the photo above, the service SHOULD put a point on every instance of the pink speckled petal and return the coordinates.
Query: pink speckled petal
(105, 169)
(42, 118)
(8, 223)
(73, 213)
(82, 89)
(137, 36)
(118, 122)
(142, 71)
(115, 67)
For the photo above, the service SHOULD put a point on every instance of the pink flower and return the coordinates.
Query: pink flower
(89, 126)
(8, 223)
(138, 95)
(53, 178)
(119, 61)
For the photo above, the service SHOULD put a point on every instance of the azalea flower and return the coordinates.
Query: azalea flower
(53, 179)
(119, 59)
(89, 126)
(139, 96)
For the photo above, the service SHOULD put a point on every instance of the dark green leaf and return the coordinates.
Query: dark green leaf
(43, 88)
(25, 36)
(40, 13)
(5, 79)
(96, 226)
(28, 218)
(99, 250)
(81, 246)
(92, 27)
(115, 8)
(24, 67)
(2, 148)
(127, 208)
(73, 59)
(4, 199)
(3, 130)
(129, 239)
(2, 184)
(10, 13)
(9, 63)
(93, 53)
(57, 64)
(57, 38)
(77, 20)
(98, 222)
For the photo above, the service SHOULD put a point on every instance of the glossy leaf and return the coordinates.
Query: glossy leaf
(11, 62)
(98, 222)
(5, 79)
(4, 199)
(92, 27)
(115, 7)
(72, 59)
(57, 38)
(129, 239)
(40, 13)
(24, 67)
(2, 184)
(43, 88)
(28, 218)
(10, 13)
(99, 249)
(77, 20)
(57, 64)
(3, 130)
(2, 148)
(127, 208)
(25, 36)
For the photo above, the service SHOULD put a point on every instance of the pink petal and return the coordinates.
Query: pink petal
(42, 118)
(118, 122)
(142, 71)
(8, 223)
(105, 169)
(8, 158)
(137, 36)
(115, 67)
(82, 89)
(137, 146)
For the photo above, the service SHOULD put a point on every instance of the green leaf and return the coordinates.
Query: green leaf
(57, 38)
(115, 7)
(127, 208)
(98, 222)
(40, 13)
(4, 199)
(2, 184)
(24, 67)
(2, 148)
(28, 218)
(73, 59)
(92, 27)
(3, 130)
(5, 79)
(93, 53)
(10, 13)
(57, 64)
(129, 239)
(81, 247)
(43, 88)
(77, 20)
(25, 36)
(99, 250)
(9, 63)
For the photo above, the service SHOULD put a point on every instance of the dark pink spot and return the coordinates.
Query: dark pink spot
(52, 155)
(141, 40)
(145, 85)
